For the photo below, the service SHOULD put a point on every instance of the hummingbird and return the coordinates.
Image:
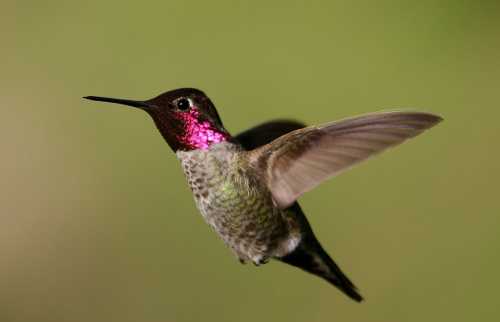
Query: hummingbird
(246, 186)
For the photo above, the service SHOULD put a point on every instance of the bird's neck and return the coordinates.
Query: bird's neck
(190, 131)
(201, 134)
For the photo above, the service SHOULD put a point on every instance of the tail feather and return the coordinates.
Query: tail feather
(311, 257)
(335, 276)
(316, 261)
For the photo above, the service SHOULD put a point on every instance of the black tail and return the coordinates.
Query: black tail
(313, 259)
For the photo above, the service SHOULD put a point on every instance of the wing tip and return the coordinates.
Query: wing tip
(435, 118)
(413, 114)
(422, 120)
(426, 116)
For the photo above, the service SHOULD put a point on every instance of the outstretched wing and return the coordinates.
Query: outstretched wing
(266, 132)
(300, 160)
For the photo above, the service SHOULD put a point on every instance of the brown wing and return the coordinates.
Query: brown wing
(300, 160)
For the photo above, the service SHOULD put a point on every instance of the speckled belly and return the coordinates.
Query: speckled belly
(235, 204)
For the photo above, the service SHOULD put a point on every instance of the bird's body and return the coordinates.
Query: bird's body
(236, 203)
(246, 186)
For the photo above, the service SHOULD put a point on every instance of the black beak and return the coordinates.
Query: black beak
(139, 104)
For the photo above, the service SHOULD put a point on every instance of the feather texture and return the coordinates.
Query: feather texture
(300, 160)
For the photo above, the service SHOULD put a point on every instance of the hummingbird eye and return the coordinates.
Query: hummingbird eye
(183, 104)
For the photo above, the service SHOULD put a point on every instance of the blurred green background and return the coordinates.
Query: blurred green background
(97, 222)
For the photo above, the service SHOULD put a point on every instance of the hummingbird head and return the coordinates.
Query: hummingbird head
(185, 117)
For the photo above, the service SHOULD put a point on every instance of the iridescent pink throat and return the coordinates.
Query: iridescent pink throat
(200, 134)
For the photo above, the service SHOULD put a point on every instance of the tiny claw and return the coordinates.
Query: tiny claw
(261, 261)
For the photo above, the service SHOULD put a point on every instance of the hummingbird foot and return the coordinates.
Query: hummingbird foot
(260, 261)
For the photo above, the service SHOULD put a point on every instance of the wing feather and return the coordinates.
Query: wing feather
(300, 160)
